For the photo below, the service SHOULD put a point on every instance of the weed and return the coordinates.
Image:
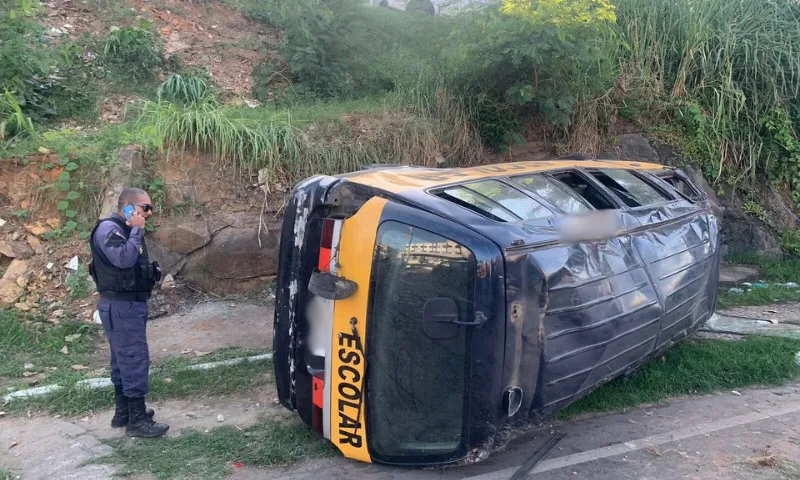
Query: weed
(183, 89)
(23, 60)
(343, 49)
(78, 284)
(775, 270)
(411, 128)
(727, 65)
(83, 159)
(12, 120)
(790, 241)
(765, 295)
(697, 367)
(755, 208)
(213, 454)
(133, 52)
(169, 379)
(6, 474)
(25, 339)
(22, 214)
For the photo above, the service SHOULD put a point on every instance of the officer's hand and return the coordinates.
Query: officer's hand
(136, 220)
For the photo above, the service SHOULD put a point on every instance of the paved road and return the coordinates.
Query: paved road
(710, 437)
(718, 436)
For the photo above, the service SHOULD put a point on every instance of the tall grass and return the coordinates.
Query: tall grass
(413, 128)
(730, 65)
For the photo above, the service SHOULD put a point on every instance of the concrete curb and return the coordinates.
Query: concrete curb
(95, 383)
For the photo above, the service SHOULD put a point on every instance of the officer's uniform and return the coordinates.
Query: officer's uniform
(125, 278)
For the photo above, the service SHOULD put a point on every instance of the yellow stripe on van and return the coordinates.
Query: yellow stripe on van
(398, 180)
(347, 412)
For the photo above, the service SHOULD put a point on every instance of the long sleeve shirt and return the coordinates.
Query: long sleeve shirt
(122, 252)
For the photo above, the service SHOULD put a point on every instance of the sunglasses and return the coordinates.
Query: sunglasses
(145, 206)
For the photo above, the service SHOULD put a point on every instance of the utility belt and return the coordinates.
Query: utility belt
(126, 296)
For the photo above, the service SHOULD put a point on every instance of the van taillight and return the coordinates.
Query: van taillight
(325, 246)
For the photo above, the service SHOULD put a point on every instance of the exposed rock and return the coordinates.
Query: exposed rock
(742, 233)
(175, 46)
(631, 146)
(234, 253)
(37, 228)
(53, 222)
(421, 7)
(170, 262)
(14, 249)
(10, 291)
(35, 244)
(130, 160)
(183, 237)
(737, 274)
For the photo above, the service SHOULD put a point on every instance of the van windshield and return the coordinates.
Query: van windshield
(411, 374)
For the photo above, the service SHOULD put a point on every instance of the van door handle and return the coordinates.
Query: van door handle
(480, 319)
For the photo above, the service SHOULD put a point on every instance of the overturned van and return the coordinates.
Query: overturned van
(419, 311)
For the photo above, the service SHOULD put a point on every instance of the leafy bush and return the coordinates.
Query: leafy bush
(521, 65)
(342, 48)
(23, 59)
(790, 241)
(132, 52)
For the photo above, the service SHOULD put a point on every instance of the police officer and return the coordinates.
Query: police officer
(125, 278)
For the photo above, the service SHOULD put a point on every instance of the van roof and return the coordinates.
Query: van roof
(398, 179)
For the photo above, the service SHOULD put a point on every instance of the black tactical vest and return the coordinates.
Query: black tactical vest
(133, 284)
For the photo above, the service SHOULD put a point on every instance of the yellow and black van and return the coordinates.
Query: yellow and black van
(419, 311)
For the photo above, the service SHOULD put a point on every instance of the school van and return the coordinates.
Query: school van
(419, 311)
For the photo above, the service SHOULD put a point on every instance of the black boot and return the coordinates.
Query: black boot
(139, 424)
(121, 411)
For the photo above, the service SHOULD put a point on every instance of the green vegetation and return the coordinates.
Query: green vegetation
(399, 128)
(78, 283)
(45, 80)
(361, 84)
(774, 271)
(215, 454)
(170, 378)
(6, 474)
(24, 339)
(698, 367)
(132, 52)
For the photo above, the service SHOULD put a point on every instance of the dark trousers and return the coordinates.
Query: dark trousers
(125, 324)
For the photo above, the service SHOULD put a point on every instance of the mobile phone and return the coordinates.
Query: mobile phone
(128, 210)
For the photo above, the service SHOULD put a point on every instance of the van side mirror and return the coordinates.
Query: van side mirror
(439, 317)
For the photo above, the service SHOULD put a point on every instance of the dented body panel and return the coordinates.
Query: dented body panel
(541, 321)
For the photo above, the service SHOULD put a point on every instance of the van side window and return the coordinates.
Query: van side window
(496, 200)
(681, 186)
(555, 192)
(585, 190)
(632, 190)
